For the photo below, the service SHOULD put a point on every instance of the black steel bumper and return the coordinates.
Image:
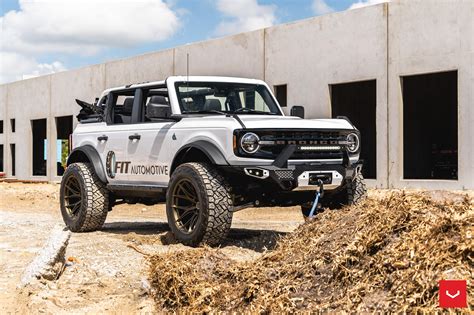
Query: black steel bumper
(301, 176)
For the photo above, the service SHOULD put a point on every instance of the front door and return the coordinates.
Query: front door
(149, 153)
(113, 151)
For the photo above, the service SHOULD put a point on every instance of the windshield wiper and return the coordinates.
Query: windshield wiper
(211, 111)
(252, 111)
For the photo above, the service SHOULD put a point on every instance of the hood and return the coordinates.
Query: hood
(290, 122)
(263, 122)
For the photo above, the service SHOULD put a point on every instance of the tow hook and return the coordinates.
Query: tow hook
(319, 195)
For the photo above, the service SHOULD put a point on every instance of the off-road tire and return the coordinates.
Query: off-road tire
(356, 190)
(353, 192)
(216, 205)
(94, 206)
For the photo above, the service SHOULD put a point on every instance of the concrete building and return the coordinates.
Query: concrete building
(403, 72)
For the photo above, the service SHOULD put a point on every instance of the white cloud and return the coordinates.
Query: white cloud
(85, 26)
(244, 15)
(79, 27)
(45, 68)
(320, 7)
(361, 4)
(17, 67)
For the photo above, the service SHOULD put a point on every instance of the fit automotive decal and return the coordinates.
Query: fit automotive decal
(126, 167)
(110, 160)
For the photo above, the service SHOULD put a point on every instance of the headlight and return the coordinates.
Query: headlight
(249, 142)
(353, 142)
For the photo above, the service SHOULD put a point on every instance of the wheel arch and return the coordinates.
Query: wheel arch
(88, 154)
(199, 151)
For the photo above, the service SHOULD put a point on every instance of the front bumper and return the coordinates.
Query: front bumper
(301, 176)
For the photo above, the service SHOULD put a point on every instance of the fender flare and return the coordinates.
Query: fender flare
(211, 151)
(93, 156)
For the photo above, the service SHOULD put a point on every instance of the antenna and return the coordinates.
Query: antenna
(187, 67)
(187, 72)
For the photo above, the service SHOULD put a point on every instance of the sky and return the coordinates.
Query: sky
(39, 37)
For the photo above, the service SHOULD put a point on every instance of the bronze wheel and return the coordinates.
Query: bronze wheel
(72, 196)
(198, 205)
(186, 206)
(83, 197)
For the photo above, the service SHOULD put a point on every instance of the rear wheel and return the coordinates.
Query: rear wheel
(84, 199)
(353, 192)
(198, 205)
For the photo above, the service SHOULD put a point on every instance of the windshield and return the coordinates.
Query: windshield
(225, 98)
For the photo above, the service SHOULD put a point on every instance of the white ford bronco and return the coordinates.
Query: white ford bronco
(207, 146)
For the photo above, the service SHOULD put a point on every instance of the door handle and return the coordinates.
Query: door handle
(134, 137)
(103, 138)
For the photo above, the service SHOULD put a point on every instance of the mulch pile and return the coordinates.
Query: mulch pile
(386, 254)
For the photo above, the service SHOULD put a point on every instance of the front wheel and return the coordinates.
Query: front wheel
(198, 205)
(84, 199)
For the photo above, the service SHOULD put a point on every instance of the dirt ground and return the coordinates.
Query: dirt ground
(106, 274)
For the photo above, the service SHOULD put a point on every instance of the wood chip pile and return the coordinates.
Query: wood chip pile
(387, 254)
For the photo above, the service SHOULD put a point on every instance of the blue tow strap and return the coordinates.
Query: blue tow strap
(315, 205)
(319, 195)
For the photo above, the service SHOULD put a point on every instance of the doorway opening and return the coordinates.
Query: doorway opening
(281, 94)
(430, 126)
(1, 158)
(358, 102)
(38, 127)
(63, 131)
(12, 155)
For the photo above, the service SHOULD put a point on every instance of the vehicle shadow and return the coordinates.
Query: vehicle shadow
(140, 227)
(254, 239)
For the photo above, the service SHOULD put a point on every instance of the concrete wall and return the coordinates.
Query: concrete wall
(381, 42)
(83, 84)
(148, 67)
(427, 37)
(3, 117)
(27, 100)
(239, 56)
(338, 48)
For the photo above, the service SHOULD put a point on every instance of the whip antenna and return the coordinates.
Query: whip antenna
(187, 67)
(187, 72)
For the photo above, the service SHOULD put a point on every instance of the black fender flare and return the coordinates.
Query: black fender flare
(212, 152)
(92, 155)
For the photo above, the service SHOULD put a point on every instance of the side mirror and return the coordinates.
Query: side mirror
(297, 111)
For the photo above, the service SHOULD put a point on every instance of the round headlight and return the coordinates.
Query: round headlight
(249, 142)
(353, 142)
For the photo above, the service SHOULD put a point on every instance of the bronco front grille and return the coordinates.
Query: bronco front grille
(331, 143)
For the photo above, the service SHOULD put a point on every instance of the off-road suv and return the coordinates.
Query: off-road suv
(207, 146)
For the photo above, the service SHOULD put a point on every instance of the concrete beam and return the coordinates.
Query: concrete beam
(51, 258)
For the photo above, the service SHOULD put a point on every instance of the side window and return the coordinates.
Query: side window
(157, 105)
(122, 106)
